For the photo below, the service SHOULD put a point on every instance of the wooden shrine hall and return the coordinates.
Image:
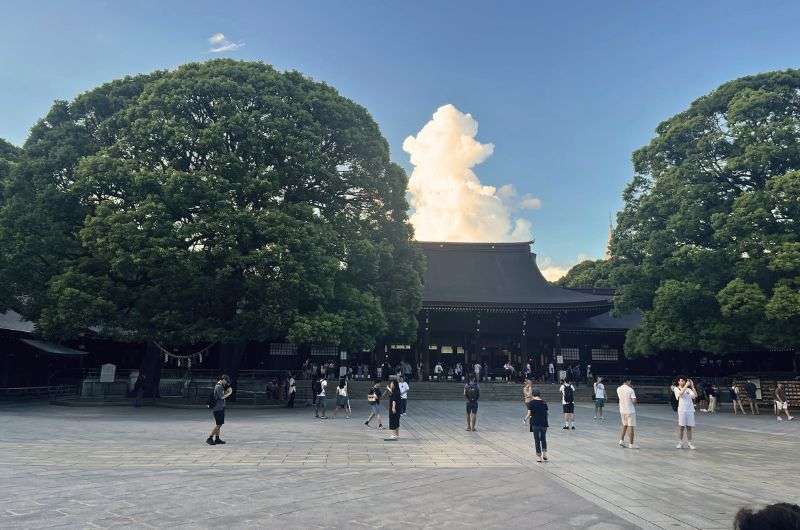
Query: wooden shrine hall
(489, 302)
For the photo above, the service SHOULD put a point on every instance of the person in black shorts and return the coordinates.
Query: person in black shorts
(472, 394)
(222, 390)
(751, 390)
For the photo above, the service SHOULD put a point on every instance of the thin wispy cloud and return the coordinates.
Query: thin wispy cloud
(220, 44)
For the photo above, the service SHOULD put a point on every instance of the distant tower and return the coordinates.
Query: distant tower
(607, 254)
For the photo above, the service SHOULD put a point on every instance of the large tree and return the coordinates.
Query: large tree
(708, 243)
(222, 201)
(588, 274)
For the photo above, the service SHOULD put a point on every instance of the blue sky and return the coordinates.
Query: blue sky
(564, 90)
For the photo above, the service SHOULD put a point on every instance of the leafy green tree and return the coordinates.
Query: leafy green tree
(588, 274)
(223, 201)
(711, 223)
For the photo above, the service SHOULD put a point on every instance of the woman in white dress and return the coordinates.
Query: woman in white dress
(685, 394)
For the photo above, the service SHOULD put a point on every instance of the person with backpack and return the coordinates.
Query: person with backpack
(472, 393)
(752, 394)
(374, 400)
(568, 404)
(216, 402)
(319, 394)
(537, 419)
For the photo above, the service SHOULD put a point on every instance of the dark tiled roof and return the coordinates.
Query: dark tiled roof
(502, 274)
(608, 321)
(53, 348)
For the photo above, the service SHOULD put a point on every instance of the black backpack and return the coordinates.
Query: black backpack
(316, 387)
(569, 394)
(212, 399)
(472, 392)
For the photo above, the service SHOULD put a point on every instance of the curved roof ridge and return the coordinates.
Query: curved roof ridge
(493, 273)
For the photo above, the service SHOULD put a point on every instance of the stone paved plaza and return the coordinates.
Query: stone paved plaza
(117, 466)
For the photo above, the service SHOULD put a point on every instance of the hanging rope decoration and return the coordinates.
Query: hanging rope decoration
(196, 356)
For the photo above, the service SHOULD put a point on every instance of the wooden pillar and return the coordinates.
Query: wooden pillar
(523, 341)
(477, 357)
(557, 342)
(426, 341)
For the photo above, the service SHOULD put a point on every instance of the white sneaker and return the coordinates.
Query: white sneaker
(691, 446)
(780, 419)
(634, 446)
(679, 446)
(790, 418)
(621, 443)
(594, 418)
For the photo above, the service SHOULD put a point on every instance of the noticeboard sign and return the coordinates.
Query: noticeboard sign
(108, 373)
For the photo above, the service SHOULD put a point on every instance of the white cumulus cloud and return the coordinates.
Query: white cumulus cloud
(448, 201)
(220, 43)
(553, 271)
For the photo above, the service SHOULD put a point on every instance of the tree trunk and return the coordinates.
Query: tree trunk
(230, 360)
(151, 366)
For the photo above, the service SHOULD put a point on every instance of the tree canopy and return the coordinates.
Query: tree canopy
(220, 201)
(708, 242)
(588, 274)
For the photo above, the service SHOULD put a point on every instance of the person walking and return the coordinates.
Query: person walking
(472, 393)
(599, 399)
(685, 394)
(551, 371)
(477, 369)
(568, 404)
(781, 403)
(711, 392)
(736, 398)
(138, 389)
(341, 398)
(374, 400)
(292, 385)
(404, 388)
(394, 410)
(222, 390)
(537, 419)
(627, 412)
(322, 385)
(752, 393)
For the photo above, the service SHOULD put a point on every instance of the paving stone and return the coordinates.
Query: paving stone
(146, 468)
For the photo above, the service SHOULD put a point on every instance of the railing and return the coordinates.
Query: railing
(11, 393)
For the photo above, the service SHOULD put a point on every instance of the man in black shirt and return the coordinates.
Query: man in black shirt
(537, 418)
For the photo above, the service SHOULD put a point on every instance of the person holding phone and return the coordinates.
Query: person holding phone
(685, 393)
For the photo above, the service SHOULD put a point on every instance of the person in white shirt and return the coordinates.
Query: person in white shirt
(627, 411)
(403, 395)
(685, 394)
(477, 368)
(552, 371)
(438, 370)
(599, 398)
(568, 404)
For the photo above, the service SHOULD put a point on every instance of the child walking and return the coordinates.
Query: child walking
(537, 419)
